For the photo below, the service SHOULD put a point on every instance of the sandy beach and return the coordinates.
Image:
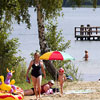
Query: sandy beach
(74, 91)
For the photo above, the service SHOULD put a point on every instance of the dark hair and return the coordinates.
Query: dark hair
(86, 51)
(37, 53)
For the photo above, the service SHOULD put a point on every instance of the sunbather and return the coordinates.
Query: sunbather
(44, 88)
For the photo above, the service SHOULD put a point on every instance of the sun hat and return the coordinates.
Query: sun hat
(51, 81)
(61, 70)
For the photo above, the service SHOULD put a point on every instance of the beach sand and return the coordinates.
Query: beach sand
(74, 91)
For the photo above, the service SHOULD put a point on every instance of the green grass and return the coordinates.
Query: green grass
(24, 85)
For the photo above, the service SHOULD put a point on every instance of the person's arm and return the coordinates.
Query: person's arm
(65, 77)
(30, 65)
(43, 70)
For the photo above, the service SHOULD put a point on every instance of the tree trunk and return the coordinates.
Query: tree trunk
(42, 41)
(51, 69)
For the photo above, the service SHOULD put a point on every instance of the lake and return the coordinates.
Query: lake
(90, 69)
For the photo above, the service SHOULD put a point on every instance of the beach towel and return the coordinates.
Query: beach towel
(79, 91)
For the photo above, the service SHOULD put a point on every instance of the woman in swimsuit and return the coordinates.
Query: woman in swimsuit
(36, 73)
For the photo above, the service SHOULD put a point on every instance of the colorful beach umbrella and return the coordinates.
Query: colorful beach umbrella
(56, 55)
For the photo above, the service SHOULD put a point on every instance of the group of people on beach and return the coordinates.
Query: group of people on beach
(36, 76)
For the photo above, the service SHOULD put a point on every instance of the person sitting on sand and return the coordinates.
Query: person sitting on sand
(86, 55)
(61, 78)
(44, 88)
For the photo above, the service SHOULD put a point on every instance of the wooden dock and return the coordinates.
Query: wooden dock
(87, 33)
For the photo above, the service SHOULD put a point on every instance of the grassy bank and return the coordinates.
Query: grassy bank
(25, 85)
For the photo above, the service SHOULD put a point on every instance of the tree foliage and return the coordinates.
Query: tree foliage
(16, 9)
(8, 50)
(54, 38)
(49, 8)
(10, 10)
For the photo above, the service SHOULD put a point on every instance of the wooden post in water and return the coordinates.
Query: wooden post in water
(88, 31)
(96, 30)
(75, 33)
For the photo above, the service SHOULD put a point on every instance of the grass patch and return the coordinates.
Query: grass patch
(24, 85)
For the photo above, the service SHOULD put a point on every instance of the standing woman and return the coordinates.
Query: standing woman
(36, 73)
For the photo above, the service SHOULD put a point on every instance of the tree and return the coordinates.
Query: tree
(45, 11)
(11, 9)
(54, 37)
(8, 50)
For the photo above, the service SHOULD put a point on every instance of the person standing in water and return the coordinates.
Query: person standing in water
(36, 73)
(86, 55)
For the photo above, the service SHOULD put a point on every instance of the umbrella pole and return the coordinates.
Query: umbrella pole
(56, 77)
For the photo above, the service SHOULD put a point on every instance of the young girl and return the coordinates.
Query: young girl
(61, 78)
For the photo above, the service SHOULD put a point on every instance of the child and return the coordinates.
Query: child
(86, 55)
(61, 78)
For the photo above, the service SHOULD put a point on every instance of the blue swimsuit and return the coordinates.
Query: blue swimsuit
(36, 70)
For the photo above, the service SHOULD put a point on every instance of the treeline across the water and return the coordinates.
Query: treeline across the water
(74, 3)
(70, 3)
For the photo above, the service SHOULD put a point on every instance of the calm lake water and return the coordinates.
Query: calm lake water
(90, 69)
